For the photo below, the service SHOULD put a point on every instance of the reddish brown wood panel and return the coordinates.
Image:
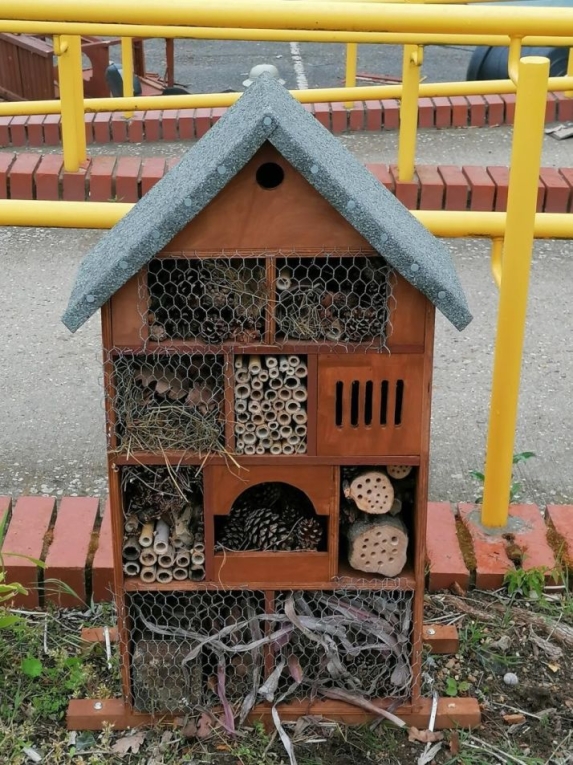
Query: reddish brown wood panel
(68, 553)
(407, 316)
(223, 484)
(370, 404)
(283, 569)
(297, 215)
(129, 308)
(25, 537)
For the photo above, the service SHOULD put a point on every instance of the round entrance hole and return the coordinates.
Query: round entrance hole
(270, 175)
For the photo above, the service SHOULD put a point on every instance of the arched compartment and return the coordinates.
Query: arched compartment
(278, 509)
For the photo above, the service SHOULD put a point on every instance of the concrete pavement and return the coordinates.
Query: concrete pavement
(51, 426)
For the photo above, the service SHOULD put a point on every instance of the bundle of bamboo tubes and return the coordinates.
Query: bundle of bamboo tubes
(270, 405)
(160, 552)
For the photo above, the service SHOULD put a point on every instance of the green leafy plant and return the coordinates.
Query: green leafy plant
(515, 486)
(526, 582)
(8, 590)
(455, 687)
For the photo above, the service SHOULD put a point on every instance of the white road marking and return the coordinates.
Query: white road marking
(301, 81)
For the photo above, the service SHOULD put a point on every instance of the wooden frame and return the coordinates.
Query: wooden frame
(304, 225)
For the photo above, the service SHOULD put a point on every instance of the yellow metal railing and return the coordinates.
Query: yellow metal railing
(411, 24)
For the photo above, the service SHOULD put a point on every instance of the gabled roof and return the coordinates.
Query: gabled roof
(267, 112)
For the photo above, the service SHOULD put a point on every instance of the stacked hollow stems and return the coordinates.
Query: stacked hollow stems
(270, 404)
(164, 535)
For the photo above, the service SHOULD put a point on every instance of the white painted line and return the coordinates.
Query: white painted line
(301, 81)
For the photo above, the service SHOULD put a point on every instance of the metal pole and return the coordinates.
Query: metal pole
(127, 70)
(351, 68)
(533, 73)
(411, 64)
(69, 53)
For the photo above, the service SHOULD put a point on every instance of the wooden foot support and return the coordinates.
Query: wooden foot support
(91, 714)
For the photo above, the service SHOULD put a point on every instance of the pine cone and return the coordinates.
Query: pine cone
(265, 530)
(308, 534)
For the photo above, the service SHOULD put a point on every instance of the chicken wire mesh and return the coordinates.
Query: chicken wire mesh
(164, 528)
(271, 404)
(160, 402)
(329, 298)
(335, 300)
(210, 300)
(191, 651)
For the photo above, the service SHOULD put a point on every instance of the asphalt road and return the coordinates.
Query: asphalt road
(211, 66)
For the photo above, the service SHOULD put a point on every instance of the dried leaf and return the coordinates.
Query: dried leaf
(554, 667)
(32, 754)
(295, 669)
(552, 651)
(189, 730)
(286, 742)
(514, 719)
(204, 726)
(131, 743)
(428, 754)
(454, 742)
(424, 736)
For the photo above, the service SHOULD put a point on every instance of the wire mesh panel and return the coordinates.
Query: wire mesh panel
(186, 648)
(333, 299)
(194, 650)
(211, 300)
(162, 402)
(164, 529)
(357, 640)
(271, 404)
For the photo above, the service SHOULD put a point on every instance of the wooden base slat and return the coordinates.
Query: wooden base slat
(92, 714)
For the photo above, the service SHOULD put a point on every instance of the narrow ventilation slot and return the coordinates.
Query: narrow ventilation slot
(399, 402)
(368, 393)
(354, 399)
(384, 402)
(338, 407)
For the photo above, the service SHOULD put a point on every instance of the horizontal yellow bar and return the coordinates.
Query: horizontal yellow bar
(318, 95)
(104, 215)
(269, 35)
(277, 14)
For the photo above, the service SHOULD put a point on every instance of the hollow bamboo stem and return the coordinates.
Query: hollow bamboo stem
(147, 574)
(131, 549)
(146, 536)
(148, 558)
(161, 540)
(131, 568)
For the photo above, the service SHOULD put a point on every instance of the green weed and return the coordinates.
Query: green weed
(515, 488)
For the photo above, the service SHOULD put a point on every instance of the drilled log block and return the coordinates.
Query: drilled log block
(379, 546)
(372, 492)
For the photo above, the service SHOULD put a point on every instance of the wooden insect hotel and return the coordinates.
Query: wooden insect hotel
(268, 322)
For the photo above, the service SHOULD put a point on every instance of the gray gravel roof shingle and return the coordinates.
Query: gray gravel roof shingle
(267, 112)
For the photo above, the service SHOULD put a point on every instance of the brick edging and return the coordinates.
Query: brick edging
(127, 178)
(74, 541)
(188, 124)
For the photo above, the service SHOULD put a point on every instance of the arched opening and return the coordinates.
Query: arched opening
(272, 516)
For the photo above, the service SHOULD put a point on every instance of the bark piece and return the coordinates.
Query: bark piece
(371, 491)
(379, 546)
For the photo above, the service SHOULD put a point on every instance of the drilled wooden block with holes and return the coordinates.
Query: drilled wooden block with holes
(268, 376)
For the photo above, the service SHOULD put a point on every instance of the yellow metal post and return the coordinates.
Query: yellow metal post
(351, 69)
(127, 70)
(69, 52)
(569, 93)
(412, 61)
(533, 74)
